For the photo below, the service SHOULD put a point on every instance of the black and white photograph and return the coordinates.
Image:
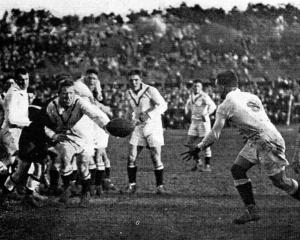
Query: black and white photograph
(149, 120)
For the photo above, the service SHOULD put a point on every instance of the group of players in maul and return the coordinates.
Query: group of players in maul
(71, 132)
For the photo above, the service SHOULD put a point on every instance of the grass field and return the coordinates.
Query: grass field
(198, 205)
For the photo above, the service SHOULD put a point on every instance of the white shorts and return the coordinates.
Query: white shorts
(199, 128)
(151, 134)
(101, 138)
(270, 154)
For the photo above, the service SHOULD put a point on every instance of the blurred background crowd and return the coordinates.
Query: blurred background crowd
(174, 46)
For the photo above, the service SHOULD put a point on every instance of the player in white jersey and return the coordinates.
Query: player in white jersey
(264, 144)
(89, 87)
(15, 118)
(201, 107)
(147, 106)
(64, 112)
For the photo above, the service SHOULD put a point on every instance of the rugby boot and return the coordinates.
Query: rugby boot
(207, 168)
(198, 165)
(54, 191)
(99, 191)
(30, 200)
(65, 196)
(251, 214)
(131, 188)
(108, 185)
(39, 197)
(85, 199)
(161, 189)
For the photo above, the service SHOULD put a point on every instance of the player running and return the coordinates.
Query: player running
(264, 144)
(201, 107)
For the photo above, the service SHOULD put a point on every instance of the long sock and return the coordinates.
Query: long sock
(132, 174)
(93, 176)
(159, 177)
(207, 160)
(99, 177)
(54, 178)
(246, 193)
(86, 186)
(107, 172)
(66, 181)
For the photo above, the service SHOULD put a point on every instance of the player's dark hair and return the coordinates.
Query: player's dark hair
(135, 72)
(227, 79)
(20, 71)
(92, 71)
(62, 77)
(197, 81)
(65, 83)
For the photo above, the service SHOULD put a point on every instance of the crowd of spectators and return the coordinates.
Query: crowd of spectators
(174, 47)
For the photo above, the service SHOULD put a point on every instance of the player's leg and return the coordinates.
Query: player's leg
(83, 161)
(274, 164)
(66, 153)
(134, 152)
(54, 172)
(108, 185)
(158, 168)
(12, 181)
(100, 171)
(245, 160)
(192, 139)
(33, 197)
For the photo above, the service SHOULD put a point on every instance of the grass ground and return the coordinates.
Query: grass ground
(198, 206)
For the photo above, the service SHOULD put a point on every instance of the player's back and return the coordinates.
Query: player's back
(246, 112)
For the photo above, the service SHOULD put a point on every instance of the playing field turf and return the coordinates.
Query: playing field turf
(198, 205)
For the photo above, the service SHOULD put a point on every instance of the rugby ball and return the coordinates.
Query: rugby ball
(120, 127)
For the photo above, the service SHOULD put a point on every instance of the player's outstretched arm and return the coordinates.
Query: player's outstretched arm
(209, 140)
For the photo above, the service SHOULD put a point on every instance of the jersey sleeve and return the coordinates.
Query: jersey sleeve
(13, 111)
(160, 105)
(225, 109)
(211, 105)
(93, 112)
(188, 105)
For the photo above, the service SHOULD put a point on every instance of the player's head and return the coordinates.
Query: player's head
(91, 77)
(135, 79)
(226, 82)
(66, 93)
(197, 86)
(22, 78)
(92, 81)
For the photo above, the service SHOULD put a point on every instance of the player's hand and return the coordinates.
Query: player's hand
(60, 137)
(296, 166)
(192, 153)
(144, 116)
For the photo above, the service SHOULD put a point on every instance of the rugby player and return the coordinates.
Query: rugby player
(71, 143)
(201, 107)
(147, 106)
(264, 144)
(89, 87)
